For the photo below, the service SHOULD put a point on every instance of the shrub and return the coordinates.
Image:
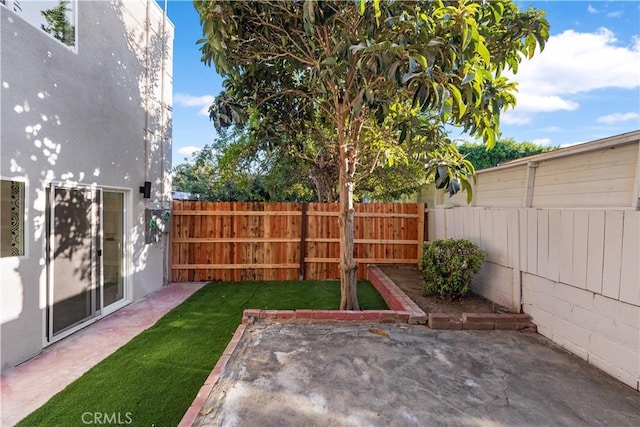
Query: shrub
(449, 265)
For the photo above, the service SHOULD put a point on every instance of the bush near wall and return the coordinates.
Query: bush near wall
(448, 266)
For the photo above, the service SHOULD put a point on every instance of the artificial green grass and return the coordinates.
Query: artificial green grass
(152, 380)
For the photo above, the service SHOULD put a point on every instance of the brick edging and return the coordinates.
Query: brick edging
(401, 308)
(482, 321)
(396, 299)
(201, 398)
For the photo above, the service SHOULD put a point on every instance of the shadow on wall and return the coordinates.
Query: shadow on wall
(87, 118)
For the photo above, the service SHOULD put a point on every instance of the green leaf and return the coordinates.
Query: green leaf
(467, 78)
(408, 76)
(358, 47)
(357, 106)
(462, 108)
(368, 94)
(442, 177)
(498, 8)
(466, 35)
(454, 187)
(330, 61)
(489, 137)
(483, 52)
(381, 114)
(420, 59)
(215, 42)
(531, 43)
(312, 16)
(420, 96)
(466, 186)
(403, 135)
(391, 72)
(378, 12)
(447, 105)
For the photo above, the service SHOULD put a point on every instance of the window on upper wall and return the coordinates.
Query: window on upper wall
(55, 17)
(11, 218)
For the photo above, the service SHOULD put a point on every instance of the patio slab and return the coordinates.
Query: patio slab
(284, 373)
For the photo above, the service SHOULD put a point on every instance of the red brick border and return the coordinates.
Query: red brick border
(482, 321)
(398, 300)
(201, 398)
(513, 321)
(401, 308)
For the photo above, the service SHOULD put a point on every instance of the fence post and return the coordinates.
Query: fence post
(421, 232)
(303, 239)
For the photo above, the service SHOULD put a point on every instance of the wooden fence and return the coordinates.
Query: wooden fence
(232, 241)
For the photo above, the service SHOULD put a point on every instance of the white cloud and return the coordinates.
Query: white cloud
(617, 117)
(616, 14)
(529, 104)
(186, 100)
(573, 63)
(569, 144)
(511, 117)
(188, 151)
(592, 9)
(542, 141)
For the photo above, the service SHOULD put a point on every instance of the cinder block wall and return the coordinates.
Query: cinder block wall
(576, 272)
(598, 329)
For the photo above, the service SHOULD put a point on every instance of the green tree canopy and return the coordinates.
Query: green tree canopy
(375, 72)
(231, 169)
(505, 150)
(58, 24)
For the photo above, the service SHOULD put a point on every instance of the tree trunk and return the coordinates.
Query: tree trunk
(324, 181)
(348, 266)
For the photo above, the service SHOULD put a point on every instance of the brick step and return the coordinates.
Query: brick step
(482, 321)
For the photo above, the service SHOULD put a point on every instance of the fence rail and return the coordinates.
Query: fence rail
(233, 241)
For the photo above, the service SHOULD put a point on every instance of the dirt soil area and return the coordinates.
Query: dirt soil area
(409, 279)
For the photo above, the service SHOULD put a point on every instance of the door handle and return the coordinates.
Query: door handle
(99, 252)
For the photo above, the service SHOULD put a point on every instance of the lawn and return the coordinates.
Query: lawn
(152, 380)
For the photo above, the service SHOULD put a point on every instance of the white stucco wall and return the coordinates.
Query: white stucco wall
(81, 116)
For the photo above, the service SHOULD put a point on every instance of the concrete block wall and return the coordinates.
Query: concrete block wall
(494, 281)
(574, 271)
(601, 330)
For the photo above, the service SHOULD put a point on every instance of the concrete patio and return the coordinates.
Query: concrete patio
(337, 374)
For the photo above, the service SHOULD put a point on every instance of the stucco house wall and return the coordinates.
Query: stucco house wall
(93, 116)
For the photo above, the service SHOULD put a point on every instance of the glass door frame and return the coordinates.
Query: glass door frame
(127, 294)
(97, 262)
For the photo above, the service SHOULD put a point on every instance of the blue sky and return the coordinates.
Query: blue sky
(585, 85)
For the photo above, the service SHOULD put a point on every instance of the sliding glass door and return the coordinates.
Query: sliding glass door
(113, 246)
(86, 256)
(73, 249)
